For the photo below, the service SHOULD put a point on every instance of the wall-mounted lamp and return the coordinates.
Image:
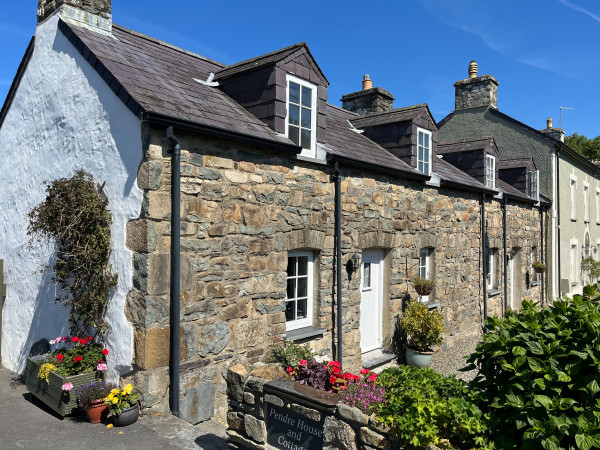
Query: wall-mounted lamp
(355, 262)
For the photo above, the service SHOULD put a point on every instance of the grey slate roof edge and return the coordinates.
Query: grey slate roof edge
(12, 91)
(112, 81)
(417, 108)
(513, 193)
(162, 119)
(467, 140)
(166, 44)
(512, 163)
(469, 184)
(413, 175)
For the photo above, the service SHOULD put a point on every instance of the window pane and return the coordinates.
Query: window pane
(420, 166)
(420, 154)
(305, 137)
(301, 305)
(289, 311)
(302, 265)
(291, 268)
(302, 287)
(420, 138)
(294, 135)
(426, 137)
(306, 96)
(426, 168)
(294, 115)
(294, 93)
(367, 275)
(306, 118)
(291, 288)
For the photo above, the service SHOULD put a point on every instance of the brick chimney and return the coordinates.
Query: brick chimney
(556, 133)
(369, 99)
(476, 91)
(95, 14)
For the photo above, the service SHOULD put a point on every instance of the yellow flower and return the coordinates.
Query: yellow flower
(109, 426)
(110, 396)
(115, 400)
(114, 392)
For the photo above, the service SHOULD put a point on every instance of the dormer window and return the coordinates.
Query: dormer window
(302, 114)
(533, 187)
(424, 151)
(490, 171)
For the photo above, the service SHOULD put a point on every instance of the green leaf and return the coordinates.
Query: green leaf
(593, 387)
(519, 351)
(540, 383)
(543, 400)
(535, 348)
(536, 364)
(584, 441)
(566, 403)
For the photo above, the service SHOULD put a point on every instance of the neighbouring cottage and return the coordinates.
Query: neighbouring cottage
(564, 178)
(297, 219)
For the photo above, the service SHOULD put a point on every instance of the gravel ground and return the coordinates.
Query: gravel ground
(448, 361)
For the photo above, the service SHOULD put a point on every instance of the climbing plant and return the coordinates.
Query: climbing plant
(76, 218)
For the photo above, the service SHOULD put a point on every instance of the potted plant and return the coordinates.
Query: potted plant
(423, 286)
(74, 362)
(92, 398)
(123, 406)
(539, 267)
(423, 329)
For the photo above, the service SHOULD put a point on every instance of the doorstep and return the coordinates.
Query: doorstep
(376, 358)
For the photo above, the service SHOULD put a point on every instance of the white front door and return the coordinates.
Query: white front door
(371, 300)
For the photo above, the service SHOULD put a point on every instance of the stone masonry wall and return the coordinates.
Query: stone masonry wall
(242, 211)
(340, 426)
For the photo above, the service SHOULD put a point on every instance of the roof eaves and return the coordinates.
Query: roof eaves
(413, 175)
(16, 81)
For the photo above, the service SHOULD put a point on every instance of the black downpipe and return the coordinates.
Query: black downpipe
(542, 249)
(485, 260)
(175, 272)
(505, 259)
(558, 221)
(338, 247)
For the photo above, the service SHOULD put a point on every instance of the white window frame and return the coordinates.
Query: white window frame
(597, 205)
(534, 184)
(586, 201)
(573, 188)
(307, 321)
(425, 267)
(421, 161)
(491, 276)
(312, 151)
(574, 261)
(490, 172)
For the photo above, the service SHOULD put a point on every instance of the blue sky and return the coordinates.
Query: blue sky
(544, 53)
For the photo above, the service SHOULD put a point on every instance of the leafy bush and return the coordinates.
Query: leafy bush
(423, 327)
(290, 354)
(591, 268)
(538, 376)
(423, 407)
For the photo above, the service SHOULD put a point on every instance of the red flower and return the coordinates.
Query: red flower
(336, 371)
(59, 357)
(365, 371)
(77, 358)
(334, 364)
(332, 379)
(83, 341)
(303, 362)
(373, 377)
(105, 351)
(75, 339)
(348, 376)
(289, 370)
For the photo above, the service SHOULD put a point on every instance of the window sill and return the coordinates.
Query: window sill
(433, 305)
(303, 333)
(493, 292)
(535, 283)
(573, 220)
(310, 159)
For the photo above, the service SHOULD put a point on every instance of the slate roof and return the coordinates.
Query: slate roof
(452, 175)
(463, 145)
(392, 116)
(514, 163)
(512, 192)
(159, 78)
(342, 141)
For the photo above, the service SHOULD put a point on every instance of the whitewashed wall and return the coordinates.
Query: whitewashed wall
(63, 118)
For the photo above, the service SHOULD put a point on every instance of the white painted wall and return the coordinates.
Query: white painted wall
(63, 118)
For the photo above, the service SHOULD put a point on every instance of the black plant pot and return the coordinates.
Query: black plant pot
(128, 416)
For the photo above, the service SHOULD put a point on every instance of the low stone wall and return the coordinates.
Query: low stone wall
(266, 413)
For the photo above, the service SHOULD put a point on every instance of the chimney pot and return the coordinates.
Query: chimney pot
(473, 69)
(549, 123)
(367, 83)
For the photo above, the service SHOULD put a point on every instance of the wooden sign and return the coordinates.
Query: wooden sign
(288, 430)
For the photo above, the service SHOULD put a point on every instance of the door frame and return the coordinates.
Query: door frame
(373, 255)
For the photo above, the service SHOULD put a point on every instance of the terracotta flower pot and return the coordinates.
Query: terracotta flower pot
(97, 411)
(128, 416)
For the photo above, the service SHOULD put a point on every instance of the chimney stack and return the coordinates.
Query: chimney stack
(369, 99)
(476, 91)
(556, 133)
(94, 14)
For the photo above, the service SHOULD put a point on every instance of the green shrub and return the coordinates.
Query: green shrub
(423, 407)
(290, 354)
(538, 376)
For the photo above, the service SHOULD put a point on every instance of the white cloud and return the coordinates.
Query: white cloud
(580, 9)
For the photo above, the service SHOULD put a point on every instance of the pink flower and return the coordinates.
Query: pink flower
(373, 377)
(289, 370)
(303, 362)
(101, 367)
(67, 387)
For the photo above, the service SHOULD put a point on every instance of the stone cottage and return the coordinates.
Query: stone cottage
(247, 210)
